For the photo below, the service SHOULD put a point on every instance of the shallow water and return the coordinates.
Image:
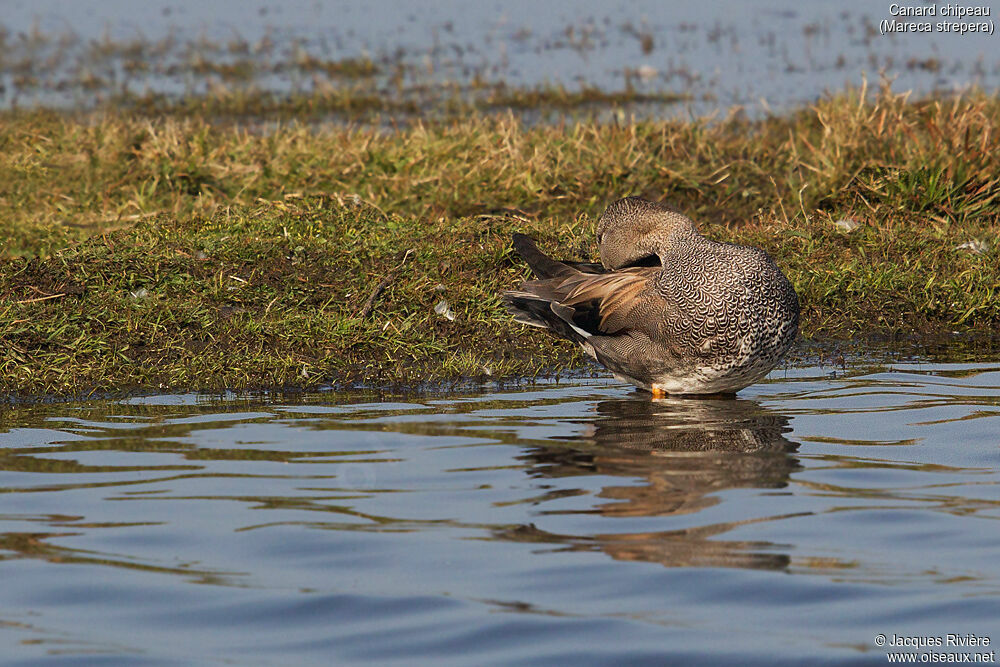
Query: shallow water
(556, 522)
(763, 56)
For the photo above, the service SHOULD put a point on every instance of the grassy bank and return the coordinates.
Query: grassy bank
(172, 253)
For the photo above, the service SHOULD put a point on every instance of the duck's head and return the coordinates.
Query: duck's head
(635, 232)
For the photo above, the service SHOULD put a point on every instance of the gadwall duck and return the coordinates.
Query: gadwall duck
(667, 310)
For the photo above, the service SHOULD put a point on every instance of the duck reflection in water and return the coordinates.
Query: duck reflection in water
(686, 452)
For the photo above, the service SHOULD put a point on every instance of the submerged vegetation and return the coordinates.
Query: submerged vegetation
(166, 251)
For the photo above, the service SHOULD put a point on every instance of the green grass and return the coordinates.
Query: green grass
(171, 253)
(272, 296)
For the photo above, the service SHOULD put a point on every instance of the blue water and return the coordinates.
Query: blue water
(557, 523)
(761, 56)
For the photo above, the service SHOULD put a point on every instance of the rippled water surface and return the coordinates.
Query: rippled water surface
(563, 523)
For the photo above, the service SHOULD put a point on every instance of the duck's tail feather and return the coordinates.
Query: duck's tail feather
(539, 311)
(537, 302)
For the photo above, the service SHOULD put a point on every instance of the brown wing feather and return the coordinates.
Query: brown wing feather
(618, 294)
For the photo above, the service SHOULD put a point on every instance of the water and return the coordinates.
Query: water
(763, 56)
(573, 521)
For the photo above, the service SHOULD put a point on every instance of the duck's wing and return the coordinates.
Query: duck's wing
(617, 317)
(544, 266)
(580, 304)
(532, 304)
(586, 267)
(612, 302)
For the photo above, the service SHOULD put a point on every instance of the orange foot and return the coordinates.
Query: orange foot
(658, 392)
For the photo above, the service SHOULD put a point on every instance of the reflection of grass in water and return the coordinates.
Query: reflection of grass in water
(66, 65)
(36, 545)
(346, 103)
(239, 80)
(266, 77)
(161, 267)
